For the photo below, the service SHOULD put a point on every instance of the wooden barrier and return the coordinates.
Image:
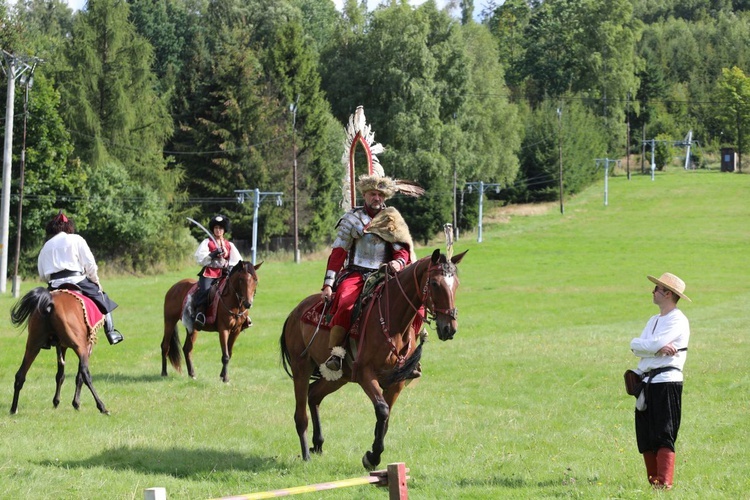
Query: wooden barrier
(395, 477)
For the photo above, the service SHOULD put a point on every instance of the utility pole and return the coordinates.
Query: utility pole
(559, 147)
(481, 187)
(14, 67)
(293, 108)
(455, 187)
(627, 140)
(606, 162)
(258, 196)
(26, 81)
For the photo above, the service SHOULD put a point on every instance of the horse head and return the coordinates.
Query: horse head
(243, 281)
(441, 285)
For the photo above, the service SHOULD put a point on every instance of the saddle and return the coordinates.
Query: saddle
(212, 301)
(92, 316)
(371, 288)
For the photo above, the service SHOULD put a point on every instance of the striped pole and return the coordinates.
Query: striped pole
(394, 477)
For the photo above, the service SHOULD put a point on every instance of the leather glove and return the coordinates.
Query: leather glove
(216, 253)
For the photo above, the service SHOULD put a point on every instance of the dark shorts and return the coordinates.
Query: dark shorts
(658, 425)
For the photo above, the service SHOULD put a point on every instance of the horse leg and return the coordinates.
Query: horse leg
(60, 375)
(187, 350)
(226, 354)
(315, 394)
(28, 359)
(84, 377)
(371, 459)
(166, 342)
(301, 385)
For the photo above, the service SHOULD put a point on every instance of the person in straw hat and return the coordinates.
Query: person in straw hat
(662, 348)
(367, 238)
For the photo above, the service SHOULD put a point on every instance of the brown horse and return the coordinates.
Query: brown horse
(60, 314)
(232, 316)
(387, 347)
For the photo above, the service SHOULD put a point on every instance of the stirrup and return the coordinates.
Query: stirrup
(114, 337)
(331, 368)
(333, 363)
(200, 319)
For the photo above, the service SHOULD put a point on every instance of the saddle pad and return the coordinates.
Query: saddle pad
(91, 313)
(312, 316)
(212, 305)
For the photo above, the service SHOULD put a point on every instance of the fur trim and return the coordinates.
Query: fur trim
(385, 185)
(329, 374)
(391, 226)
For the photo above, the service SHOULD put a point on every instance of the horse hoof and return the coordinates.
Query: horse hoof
(366, 462)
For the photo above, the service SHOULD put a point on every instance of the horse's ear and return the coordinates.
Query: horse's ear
(435, 256)
(457, 258)
(257, 266)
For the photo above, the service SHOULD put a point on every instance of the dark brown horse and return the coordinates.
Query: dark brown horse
(388, 349)
(232, 316)
(59, 314)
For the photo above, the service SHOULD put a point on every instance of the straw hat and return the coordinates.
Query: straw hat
(671, 283)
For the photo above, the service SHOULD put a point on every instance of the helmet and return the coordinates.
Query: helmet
(220, 220)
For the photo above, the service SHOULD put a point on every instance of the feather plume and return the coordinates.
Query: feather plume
(409, 188)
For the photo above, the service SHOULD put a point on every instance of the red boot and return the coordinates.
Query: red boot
(664, 468)
(649, 458)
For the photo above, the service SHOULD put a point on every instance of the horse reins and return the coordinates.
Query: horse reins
(236, 315)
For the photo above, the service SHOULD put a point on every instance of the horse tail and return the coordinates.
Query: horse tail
(408, 367)
(39, 299)
(286, 358)
(175, 352)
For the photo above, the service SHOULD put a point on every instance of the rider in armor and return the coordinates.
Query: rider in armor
(360, 250)
(66, 261)
(216, 255)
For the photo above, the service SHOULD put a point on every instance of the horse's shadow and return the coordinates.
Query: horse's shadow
(182, 463)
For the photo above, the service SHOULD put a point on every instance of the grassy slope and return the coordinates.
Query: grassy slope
(526, 402)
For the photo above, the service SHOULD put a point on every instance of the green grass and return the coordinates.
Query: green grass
(526, 402)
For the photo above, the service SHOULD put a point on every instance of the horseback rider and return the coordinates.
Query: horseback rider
(368, 238)
(66, 261)
(216, 255)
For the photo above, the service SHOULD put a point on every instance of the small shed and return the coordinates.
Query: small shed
(728, 160)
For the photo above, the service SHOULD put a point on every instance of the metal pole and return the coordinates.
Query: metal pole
(481, 196)
(7, 154)
(294, 175)
(653, 163)
(606, 178)
(559, 142)
(256, 202)
(16, 281)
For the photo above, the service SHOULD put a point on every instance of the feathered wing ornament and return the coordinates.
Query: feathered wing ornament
(358, 132)
(448, 230)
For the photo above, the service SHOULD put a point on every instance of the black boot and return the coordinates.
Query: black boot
(113, 336)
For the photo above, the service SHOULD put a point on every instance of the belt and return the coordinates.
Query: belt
(64, 274)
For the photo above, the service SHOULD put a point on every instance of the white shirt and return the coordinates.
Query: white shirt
(672, 328)
(67, 252)
(202, 254)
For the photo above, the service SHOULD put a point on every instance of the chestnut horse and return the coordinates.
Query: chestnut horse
(61, 314)
(236, 296)
(387, 346)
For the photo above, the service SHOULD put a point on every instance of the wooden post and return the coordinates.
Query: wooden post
(397, 489)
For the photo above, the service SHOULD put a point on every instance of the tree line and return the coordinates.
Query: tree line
(145, 112)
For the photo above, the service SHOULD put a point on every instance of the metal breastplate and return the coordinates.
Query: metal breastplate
(369, 252)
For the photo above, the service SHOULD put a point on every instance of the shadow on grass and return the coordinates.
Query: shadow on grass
(505, 482)
(180, 463)
(128, 379)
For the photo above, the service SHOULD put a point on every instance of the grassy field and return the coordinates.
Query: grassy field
(526, 402)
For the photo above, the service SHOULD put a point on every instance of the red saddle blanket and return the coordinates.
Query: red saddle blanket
(91, 313)
(213, 301)
(312, 316)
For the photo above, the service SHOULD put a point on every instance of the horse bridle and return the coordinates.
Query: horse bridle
(242, 313)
